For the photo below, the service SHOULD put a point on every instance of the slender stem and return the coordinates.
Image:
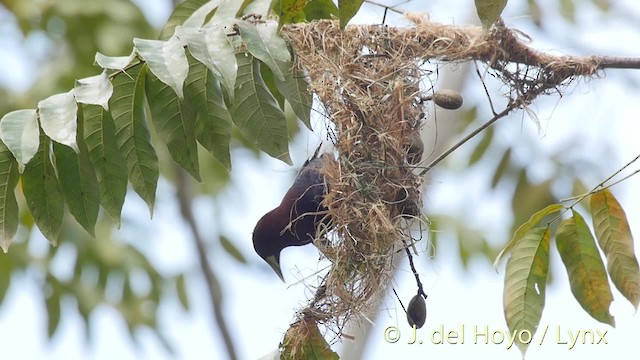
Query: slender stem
(512, 105)
(213, 285)
(415, 273)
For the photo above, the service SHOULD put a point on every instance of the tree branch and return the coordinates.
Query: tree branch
(184, 198)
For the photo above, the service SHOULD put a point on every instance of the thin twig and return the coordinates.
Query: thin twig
(512, 105)
(486, 91)
(213, 285)
(598, 187)
(415, 272)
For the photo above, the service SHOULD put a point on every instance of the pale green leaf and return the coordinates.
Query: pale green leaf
(526, 227)
(79, 185)
(481, 147)
(20, 132)
(166, 60)
(348, 9)
(257, 7)
(8, 205)
(127, 109)
(42, 192)
(503, 165)
(295, 89)
(94, 90)
(525, 283)
(489, 11)
(180, 14)
(58, 118)
(213, 120)
(232, 249)
(228, 11)
(174, 121)
(256, 112)
(211, 46)
(181, 290)
(53, 305)
(587, 276)
(110, 166)
(199, 16)
(264, 43)
(114, 62)
(615, 239)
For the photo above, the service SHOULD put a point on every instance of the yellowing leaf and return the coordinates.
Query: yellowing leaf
(489, 11)
(525, 283)
(524, 228)
(615, 239)
(304, 341)
(289, 10)
(587, 276)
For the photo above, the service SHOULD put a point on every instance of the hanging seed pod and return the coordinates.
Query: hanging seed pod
(447, 99)
(417, 311)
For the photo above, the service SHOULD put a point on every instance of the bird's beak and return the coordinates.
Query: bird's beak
(275, 265)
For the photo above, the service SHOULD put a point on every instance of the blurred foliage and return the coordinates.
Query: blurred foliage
(85, 273)
(107, 271)
(76, 30)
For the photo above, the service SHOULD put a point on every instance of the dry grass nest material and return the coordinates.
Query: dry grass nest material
(368, 80)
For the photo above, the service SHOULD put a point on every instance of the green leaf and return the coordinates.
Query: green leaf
(482, 146)
(58, 118)
(179, 15)
(295, 90)
(615, 240)
(174, 121)
(127, 109)
(270, 80)
(166, 60)
(489, 11)
(181, 290)
(587, 276)
(19, 131)
(525, 228)
(213, 120)
(52, 303)
(501, 168)
(42, 192)
(79, 185)
(264, 43)
(256, 112)
(109, 164)
(348, 9)
(525, 283)
(232, 250)
(568, 10)
(289, 10)
(314, 346)
(8, 205)
(320, 9)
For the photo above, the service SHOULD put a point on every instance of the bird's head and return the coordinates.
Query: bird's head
(266, 244)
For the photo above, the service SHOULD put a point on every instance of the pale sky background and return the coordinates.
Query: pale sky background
(260, 307)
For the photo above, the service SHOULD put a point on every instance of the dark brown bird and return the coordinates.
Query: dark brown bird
(295, 220)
